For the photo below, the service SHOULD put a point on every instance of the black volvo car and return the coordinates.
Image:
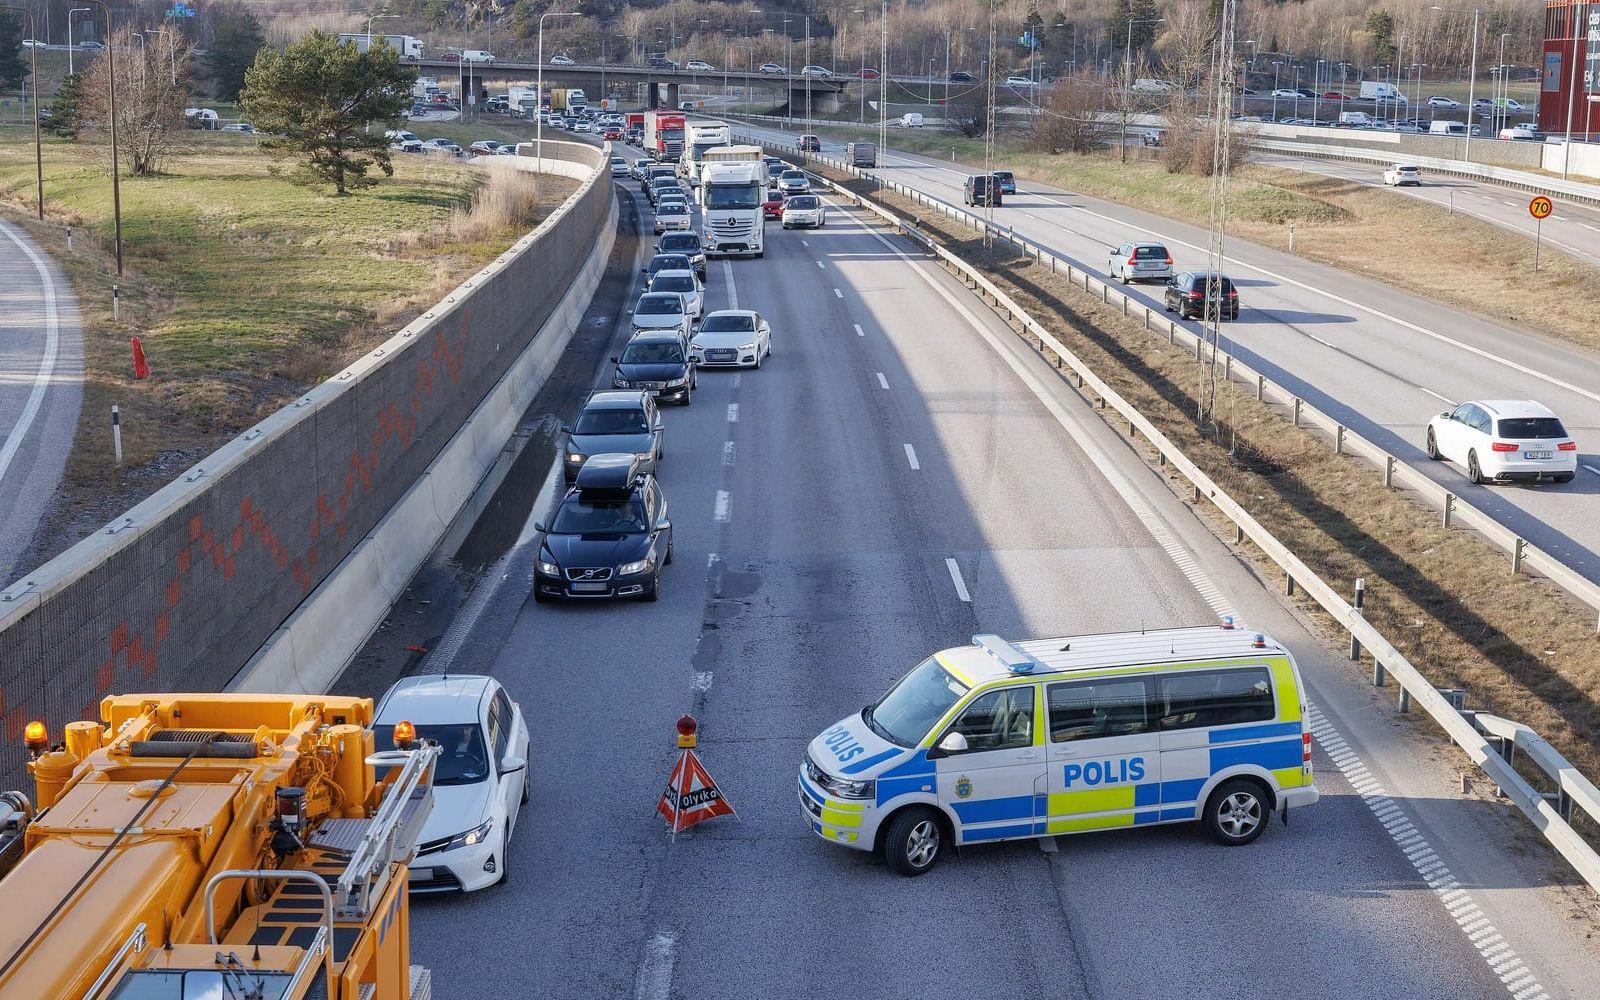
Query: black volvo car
(610, 536)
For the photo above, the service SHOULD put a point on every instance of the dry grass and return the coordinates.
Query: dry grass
(1445, 598)
(508, 198)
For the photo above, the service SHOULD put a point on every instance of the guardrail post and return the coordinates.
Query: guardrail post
(1124, 305)
(1517, 551)
(1388, 471)
(1449, 507)
(1355, 644)
(1199, 345)
(1261, 387)
(1338, 441)
(1238, 534)
(1297, 411)
(1130, 427)
(1405, 701)
(1227, 368)
(1288, 584)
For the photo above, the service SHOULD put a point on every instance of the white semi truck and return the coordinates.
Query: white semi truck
(731, 192)
(701, 136)
(409, 48)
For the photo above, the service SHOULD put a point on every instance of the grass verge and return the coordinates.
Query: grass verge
(1445, 598)
(1369, 231)
(245, 290)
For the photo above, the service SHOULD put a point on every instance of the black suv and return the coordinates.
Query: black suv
(609, 537)
(1185, 292)
(810, 144)
(687, 244)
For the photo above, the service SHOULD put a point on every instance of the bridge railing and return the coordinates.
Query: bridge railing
(1488, 741)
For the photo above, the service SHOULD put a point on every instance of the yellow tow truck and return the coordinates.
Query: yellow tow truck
(248, 847)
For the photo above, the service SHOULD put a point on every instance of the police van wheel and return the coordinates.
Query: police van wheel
(913, 841)
(1236, 813)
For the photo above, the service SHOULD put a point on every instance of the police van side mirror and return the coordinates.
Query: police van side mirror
(953, 742)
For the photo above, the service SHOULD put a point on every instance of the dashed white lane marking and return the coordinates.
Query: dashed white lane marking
(1592, 469)
(1477, 927)
(702, 681)
(42, 378)
(1587, 226)
(733, 413)
(724, 508)
(883, 383)
(736, 380)
(727, 279)
(911, 456)
(727, 454)
(838, 294)
(1435, 395)
(654, 979)
(821, 266)
(1324, 343)
(955, 578)
(711, 560)
(859, 331)
(805, 243)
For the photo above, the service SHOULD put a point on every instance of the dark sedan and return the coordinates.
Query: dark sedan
(659, 364)
(1186, 292)
(610, 536)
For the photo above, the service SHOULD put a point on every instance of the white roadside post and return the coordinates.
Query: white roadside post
(116, 432)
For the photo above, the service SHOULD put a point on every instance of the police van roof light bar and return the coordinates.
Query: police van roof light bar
(1013, 659)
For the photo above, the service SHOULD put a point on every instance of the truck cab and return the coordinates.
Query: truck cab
(731, 196)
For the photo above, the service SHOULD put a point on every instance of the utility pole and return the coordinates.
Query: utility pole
(38, 144)
(1127, 83)
(808, 62)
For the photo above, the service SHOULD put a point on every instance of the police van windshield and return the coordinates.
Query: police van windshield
(910, 708)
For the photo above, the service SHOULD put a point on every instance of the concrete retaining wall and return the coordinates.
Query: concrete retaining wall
(180, 593)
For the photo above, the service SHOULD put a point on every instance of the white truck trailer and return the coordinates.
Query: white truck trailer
(409, 48)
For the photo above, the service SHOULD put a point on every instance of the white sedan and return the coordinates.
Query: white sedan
(1445, 103)
(1504, 440)
(699, 66)
(732, 338)
(480, 782)
(561, 61)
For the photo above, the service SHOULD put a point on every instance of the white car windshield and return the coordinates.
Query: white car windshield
(660, 305)
(910, 708)
(804, 201)
(463, 760)
(672, 283)
(728, 324)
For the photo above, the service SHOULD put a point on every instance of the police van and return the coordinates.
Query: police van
(1001, 741)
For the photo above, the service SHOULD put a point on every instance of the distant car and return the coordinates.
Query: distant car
(1401, 175)
(609, 538)
(772, 208)
(687, 244)
(613, 133)
(793, 182)
(660, 184)
(661, 311)
(687, 106)
(673, 213)
(1005, 180)
(1334, 95)
(1249, 92)
(1510, 104)
(685, 283)
(733, 338)
(960, 76)
(1140, 262)
(810, 144)
(582, 127)
(245, 127)
(562, 61)
(772, 69)
(664, 260)
(484, 147)
(804, 210)
(1305, 92)
(775, 166)
(1187, 291)
(658, 363)
(34, 43)
(1283, 93)
(443, 145)
(662, 62)
(821, 71)
(1448, 103)
(92, 46)
(477, 56)
(619, 166)
(1524, 132)
(480, 780)
(407, 145)
(1019, 82)
(1504, 440)
(867, 73)
(699, 66)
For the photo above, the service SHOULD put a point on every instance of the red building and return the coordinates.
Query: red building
(1571, 68)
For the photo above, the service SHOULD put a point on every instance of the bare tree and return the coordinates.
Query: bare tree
(1070, 121)
(152, 91)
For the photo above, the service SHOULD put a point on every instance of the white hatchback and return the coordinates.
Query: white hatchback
(685, 283)
(1504, 440)
(480, 783)
(1400, 174)
(804, 210)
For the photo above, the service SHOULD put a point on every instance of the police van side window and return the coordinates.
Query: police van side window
(998, 720)
(1089, 710)
(1206, 698)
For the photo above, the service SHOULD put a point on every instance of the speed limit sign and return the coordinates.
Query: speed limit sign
(1541, 207)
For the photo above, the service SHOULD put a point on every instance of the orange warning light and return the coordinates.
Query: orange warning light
(405, 735)
(36, 738)
(687, 728)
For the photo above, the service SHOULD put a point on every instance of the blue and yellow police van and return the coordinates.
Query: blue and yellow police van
(1000, 741)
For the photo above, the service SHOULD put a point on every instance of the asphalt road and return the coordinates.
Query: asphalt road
(1380, 360)
(901, 475)
(1572, 228)
(41, 389)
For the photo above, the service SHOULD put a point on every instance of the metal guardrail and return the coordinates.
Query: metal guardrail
(1467, 730)
(1524, 555)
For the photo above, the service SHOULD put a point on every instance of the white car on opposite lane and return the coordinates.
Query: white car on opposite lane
(1504, 440)
(732, 338)
(480, 782)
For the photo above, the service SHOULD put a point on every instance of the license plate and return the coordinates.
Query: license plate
(590, 587)
(655, 392)
(1536, 454)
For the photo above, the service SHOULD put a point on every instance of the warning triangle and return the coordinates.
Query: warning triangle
(691, 796)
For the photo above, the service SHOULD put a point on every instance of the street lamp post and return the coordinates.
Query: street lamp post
(538, 101)
(1472, 74)
(111, 93)
(70, 47)
(1500, 81)
(144, 56)
(1316, 92)
(375, 17)
(861, 86)
(930, 81)
(38, 144)
(788, 67)
(172, 50)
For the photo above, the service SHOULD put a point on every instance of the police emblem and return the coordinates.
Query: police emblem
(963, 786)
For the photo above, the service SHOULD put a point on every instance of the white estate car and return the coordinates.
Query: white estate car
(738, 338)
(1140, 262)
(1504, 440)
(804, 210)
(480, 783)
(1400, 174)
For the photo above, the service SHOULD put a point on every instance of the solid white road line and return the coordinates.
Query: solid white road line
(724, 505)
(955, 578)
(733, 413)
(911, 456)
(821, 266)
(859, 331)
(1435, 395)
(1592, 469)
(838, 293)
(727, 277)
(882, 382)
(47, 361)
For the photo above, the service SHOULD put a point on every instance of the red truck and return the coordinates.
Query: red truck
(663, 135)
